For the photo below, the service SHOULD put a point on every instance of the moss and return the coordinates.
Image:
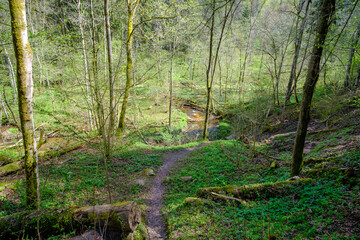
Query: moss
(324, 172)
(4, 160)
(137, 236)
(274, 165)
(141, 232)
(51, 222)
(254, 191)
(121, 204)
(321, 165)
(312, 161)
(7, 169)
(193, 201)
(7, 184)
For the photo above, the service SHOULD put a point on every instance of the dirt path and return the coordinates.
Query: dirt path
(155, 195)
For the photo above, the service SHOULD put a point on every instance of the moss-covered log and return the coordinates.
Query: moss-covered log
(254, 191)
(119, 219)
(9, 168)
(313, 161)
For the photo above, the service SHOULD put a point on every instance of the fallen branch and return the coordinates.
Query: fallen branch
(62, 151)
(227, 198)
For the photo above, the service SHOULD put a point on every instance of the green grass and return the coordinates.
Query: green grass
(307, 212)
(79, 179)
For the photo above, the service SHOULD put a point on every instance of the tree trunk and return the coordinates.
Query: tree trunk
(208, 83)
(327, 10)
(2, 105)
(254, 191)
(110, 69)
(298, 42)
(86, 68)
(118, 219)
(11, 71)
(347, 82)
(99, 110)
(129, 63)
(357, 82)
(25, 86)
(171, 83)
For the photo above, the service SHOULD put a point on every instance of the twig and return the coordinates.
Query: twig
(224, 197)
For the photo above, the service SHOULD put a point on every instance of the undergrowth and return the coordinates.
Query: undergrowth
(324, 210)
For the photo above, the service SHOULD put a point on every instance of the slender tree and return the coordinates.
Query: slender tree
(325, 19)
(108, 139)
(347, 82)
(86, 68)
(213, 58)
(297, 42)
(132, 6)
(110, 68)
(171, 82)
(25, 86)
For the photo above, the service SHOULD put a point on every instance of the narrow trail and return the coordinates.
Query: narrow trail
(155, 195)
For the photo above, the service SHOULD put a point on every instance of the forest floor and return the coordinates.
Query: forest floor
(155, 195)
(329, 208)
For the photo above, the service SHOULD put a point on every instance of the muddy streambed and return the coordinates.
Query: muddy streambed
(196, 121)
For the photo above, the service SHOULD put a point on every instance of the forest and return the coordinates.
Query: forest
(179, 119)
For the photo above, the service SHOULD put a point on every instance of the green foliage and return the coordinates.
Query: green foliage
(306, 212)
(355, 102)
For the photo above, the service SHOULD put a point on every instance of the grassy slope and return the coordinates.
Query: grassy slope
(328, 209)
(325, 210)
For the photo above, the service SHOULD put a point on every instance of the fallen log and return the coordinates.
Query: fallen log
(117, 219)
(9, 168)
(254, 191)
(61, 151)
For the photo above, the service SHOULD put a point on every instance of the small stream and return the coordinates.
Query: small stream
(196, 121)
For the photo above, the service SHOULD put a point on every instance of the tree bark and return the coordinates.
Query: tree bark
(347, 82)
(25, 87)
(86, 68)
(171, 83)
(118, 219)
(254, 191)
(129, 62)
(208, 82)
(327, 11)
(298, 42)
(11, 71)
(110, 69)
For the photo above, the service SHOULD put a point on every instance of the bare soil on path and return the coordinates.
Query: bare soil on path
(155, 195)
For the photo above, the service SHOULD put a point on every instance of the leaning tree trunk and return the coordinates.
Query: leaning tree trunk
(327, 11)
(129, 63)
(25, 86)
